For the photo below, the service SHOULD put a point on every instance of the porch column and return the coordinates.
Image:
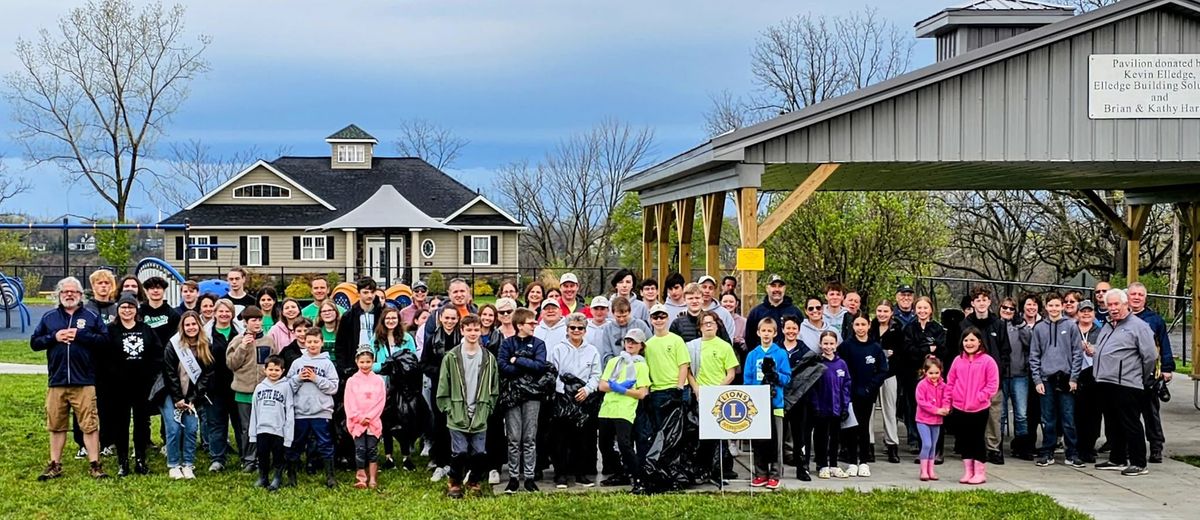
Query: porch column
(747, 204)
(685, 215)
(713, 206)
(1191, 213)
(649, 234)
(351, 255)
(1135, 217)
(415, 251)
(663, 214)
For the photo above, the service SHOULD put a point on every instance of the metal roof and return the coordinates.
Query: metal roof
(387, 208)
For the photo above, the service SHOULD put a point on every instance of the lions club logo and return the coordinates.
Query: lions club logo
(734, 411)
(80, 323)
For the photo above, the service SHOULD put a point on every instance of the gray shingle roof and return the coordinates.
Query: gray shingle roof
(434, 192)
(351, 132)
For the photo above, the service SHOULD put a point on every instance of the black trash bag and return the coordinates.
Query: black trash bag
(405, 412)
(692, 466)
(568, 411)
(662, 466)
(527, 387)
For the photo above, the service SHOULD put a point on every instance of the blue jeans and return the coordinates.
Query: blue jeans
(1058, 406)
(1016, 391)
(181, 437)
(319, 430)
(216, 430)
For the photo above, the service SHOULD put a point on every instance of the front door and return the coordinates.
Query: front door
(379, 262)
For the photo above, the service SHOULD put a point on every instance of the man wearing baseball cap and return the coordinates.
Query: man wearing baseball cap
(420, 302)
(568, 283)
(553, 328)
(776, 304)
(708, 289)
(596, 323)
(668, 362)
(904, 309)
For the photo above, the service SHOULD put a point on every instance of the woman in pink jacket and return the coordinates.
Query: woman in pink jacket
(974, 378)
(365, 397)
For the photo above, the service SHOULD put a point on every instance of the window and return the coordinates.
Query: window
(199, 253)
(254, 251)
(312, 247)
(351, 153)
(261, 191)
(428, 248)
(481, 250)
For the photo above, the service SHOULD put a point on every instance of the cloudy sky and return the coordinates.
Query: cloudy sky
(513, 77)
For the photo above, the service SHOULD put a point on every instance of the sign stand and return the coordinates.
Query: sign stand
(734, 412)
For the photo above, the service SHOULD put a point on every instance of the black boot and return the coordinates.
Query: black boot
(264, 473)
(292, 467)
(893, 453)
(869, 456)
(139, 467)
(329, 480)
(277, 480)
(123, 468)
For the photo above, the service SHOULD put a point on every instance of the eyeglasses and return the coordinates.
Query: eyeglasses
(708, 324)
(1007, 308)
(504, 313)
(65, 291)
(1070, 301)
(576, 327)
(814, 308)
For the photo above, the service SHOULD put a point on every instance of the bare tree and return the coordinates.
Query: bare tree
(195, 170)
(10, 185)
(94, 95)
(435, 144)
(567, 198)
(807, 59)
(1083, 6)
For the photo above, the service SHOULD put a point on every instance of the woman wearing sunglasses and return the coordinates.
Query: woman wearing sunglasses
(575, 444)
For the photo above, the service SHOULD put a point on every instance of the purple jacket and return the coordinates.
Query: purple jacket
(831, 395)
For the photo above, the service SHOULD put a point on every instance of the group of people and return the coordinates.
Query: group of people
(544, 380)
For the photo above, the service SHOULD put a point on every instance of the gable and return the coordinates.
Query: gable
(1029, 106)
(481, 211)
(259, 175)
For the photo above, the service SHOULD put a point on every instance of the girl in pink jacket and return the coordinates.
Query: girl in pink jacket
(933, 403)
(973, 379)
(365, 397)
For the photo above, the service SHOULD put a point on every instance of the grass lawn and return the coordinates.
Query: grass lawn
(1189, 459)
(18, 351)
(411, 495)
(38, 300)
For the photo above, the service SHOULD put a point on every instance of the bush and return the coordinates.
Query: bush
(436, 282)
(483, 288)
(298, 289)
(256, 280)
(334, 279)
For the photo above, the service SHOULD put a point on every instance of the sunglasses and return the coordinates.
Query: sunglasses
(659, 317)
(531, 323)
(576, 327)
(1007, 308)
(504, 313)
(814, 308)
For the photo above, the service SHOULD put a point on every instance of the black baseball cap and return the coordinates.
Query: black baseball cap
(905, 288)
(776, 279)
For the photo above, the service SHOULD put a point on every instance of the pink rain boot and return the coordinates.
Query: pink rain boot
(932, 473)
(968, 471)
(980, 473)
(924, 470)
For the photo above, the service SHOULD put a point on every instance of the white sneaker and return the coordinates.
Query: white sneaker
(431, 465)
(425, 449)
(439, 473)
(823, 473)
(864, 470)
(189, 473)
(494, 477)
(216, 467)
(109, 451)
(733, 449)
(81, 454)
(838, 473)
(852, 470)
(175, 473)
(163, 450)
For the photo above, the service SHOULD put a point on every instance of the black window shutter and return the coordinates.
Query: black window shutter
(266, 250)
(495, 250)
(295, 248)
(467, 250)
(242, 247)
(212, 254)
(329, 248)
(179, 249)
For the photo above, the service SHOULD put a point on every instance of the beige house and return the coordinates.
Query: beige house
(345, 213)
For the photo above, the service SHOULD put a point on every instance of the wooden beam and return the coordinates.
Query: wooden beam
(747, 211)
(649, 236)
(685, 221)
(1191, 214)
(1136, 217)
(796, 199)
(663, 215)
(713, 207)
(1107, 213)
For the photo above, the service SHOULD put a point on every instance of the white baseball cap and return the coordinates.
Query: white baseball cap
(600, 301)
(568, 277)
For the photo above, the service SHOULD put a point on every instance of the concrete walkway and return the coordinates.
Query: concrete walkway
(1170, 491)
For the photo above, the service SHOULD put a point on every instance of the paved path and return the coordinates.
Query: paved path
(15, 368)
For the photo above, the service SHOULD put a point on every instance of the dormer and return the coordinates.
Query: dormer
(351, 148)
(964, 28)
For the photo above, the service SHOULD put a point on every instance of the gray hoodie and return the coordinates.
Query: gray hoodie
(612, 338)
(1056, 347)
(1125, 353)
(551, 334)
(582, 362)
(273, 411)
(314, 399)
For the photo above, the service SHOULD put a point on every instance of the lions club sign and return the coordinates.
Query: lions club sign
(735, 412)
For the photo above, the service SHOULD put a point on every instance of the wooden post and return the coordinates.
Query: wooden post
(746, 200)
(1191, 214)
(797, 198)
(1135, 217)
(713, 207)
(649, 228)
(663, 215)
(685, 219)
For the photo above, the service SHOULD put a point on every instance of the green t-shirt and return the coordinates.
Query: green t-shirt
(268, 322)
(617, 406)
(243, 397)
(224, 332)
(311, 311)
(716, 357)
(329, 336)
(664, 355)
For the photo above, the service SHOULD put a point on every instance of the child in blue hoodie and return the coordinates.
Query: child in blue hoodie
(768, 365)
(831, 405)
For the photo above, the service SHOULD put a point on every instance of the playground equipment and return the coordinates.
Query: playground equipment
(216, 286)
(150, 267)
(398, 296)
(12, 296)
